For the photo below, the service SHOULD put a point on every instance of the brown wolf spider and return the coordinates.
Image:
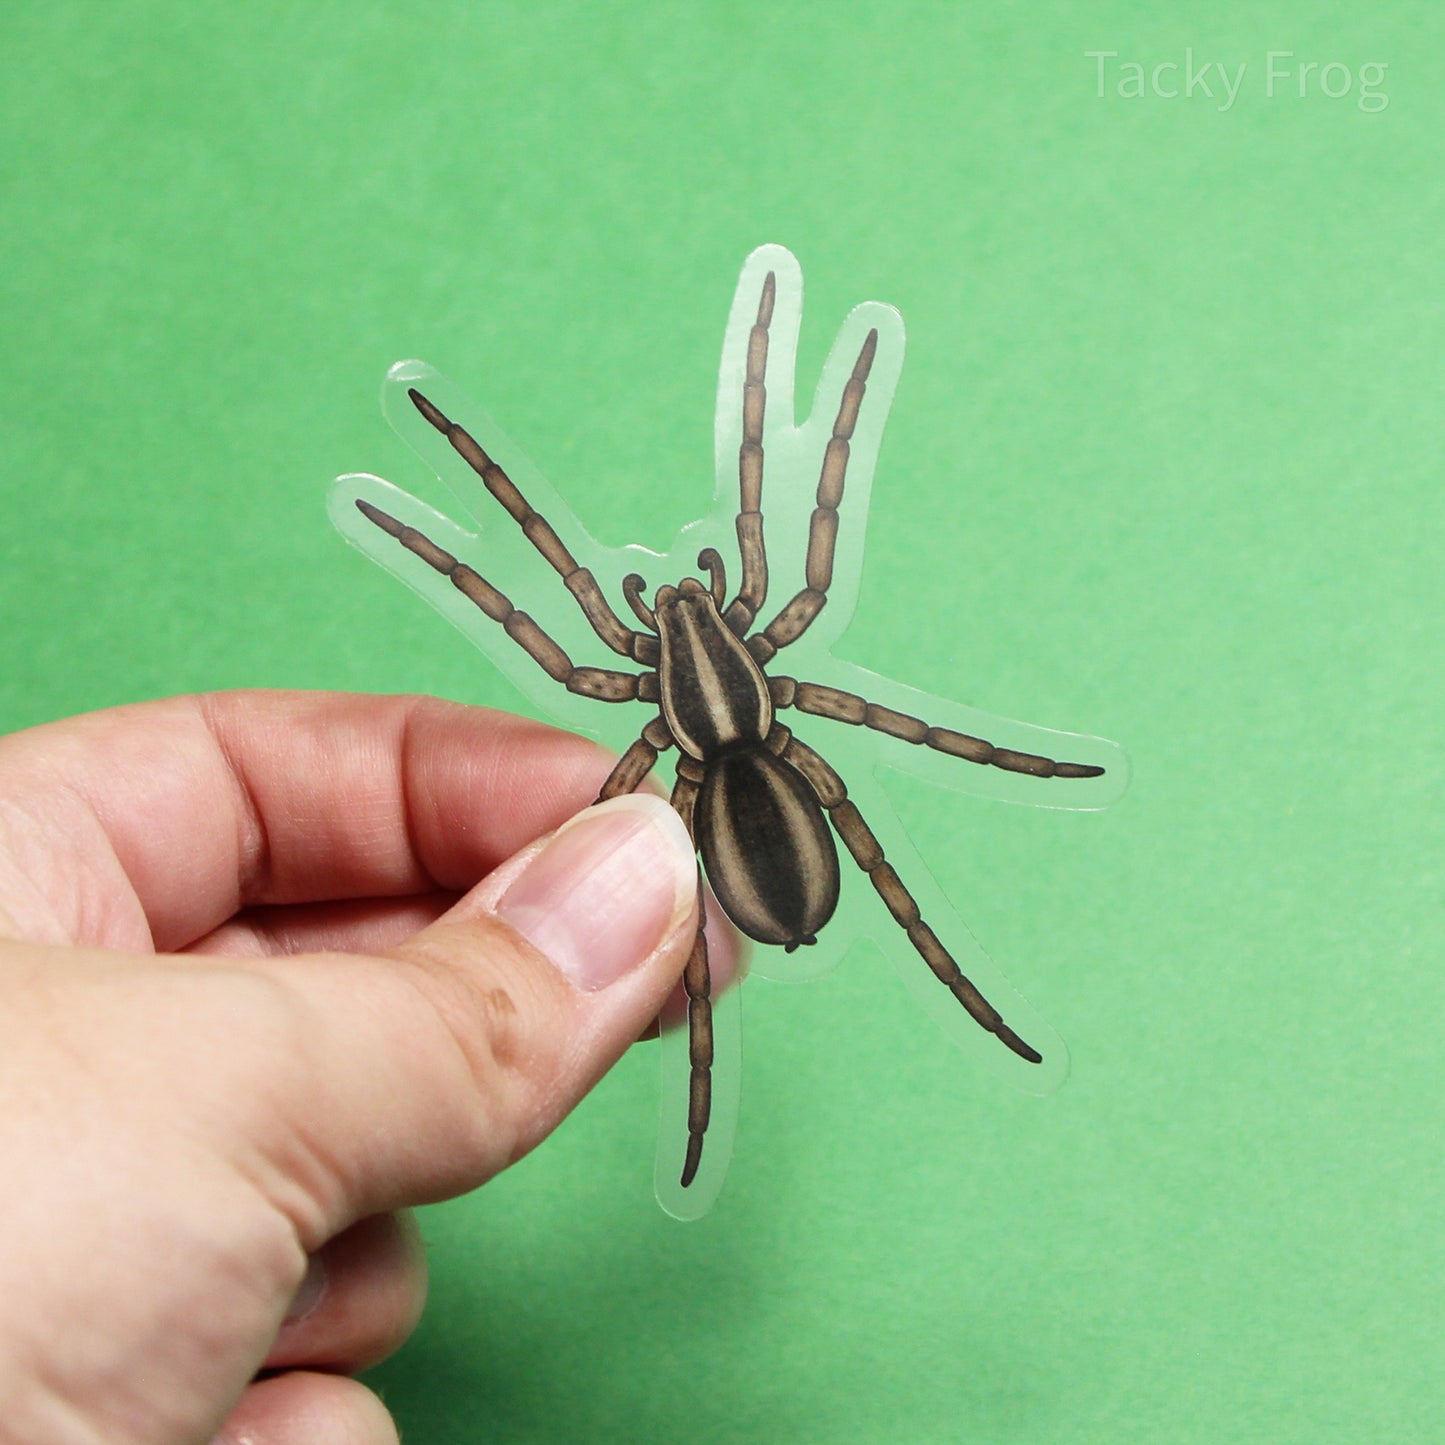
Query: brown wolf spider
(756, 800)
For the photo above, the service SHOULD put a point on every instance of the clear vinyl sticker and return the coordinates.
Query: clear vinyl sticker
(713, 665)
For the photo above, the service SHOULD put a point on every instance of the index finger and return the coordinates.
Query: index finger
(151, 824)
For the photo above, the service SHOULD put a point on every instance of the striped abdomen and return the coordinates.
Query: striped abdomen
(766, 847)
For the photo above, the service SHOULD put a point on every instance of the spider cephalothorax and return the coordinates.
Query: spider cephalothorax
(757, 801)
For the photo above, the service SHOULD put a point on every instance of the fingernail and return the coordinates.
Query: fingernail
(606, 890)
(308, 1292)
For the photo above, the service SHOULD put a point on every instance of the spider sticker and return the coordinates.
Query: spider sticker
(766, 809)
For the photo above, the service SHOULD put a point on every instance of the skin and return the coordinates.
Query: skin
(274, 968)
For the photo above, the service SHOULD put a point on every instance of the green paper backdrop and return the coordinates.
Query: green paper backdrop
(1165, 466)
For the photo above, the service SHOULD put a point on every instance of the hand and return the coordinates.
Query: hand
(253, 1000)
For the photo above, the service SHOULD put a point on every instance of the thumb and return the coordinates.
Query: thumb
(429, 1069)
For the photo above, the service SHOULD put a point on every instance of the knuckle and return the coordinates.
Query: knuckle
(491, 1007)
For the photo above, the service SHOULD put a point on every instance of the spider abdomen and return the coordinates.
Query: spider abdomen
(766, 847)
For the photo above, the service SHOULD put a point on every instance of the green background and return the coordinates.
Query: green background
(1164, 466)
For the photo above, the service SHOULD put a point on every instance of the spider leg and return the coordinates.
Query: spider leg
(635, 764)
(753, 590)
(868, 854)
(632, 767)
(796, 617)
(602, 683)
(697, 985)
(578, 580)
(847, 707)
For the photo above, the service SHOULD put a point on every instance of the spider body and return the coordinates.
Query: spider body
(764, 840)
(761, 805)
